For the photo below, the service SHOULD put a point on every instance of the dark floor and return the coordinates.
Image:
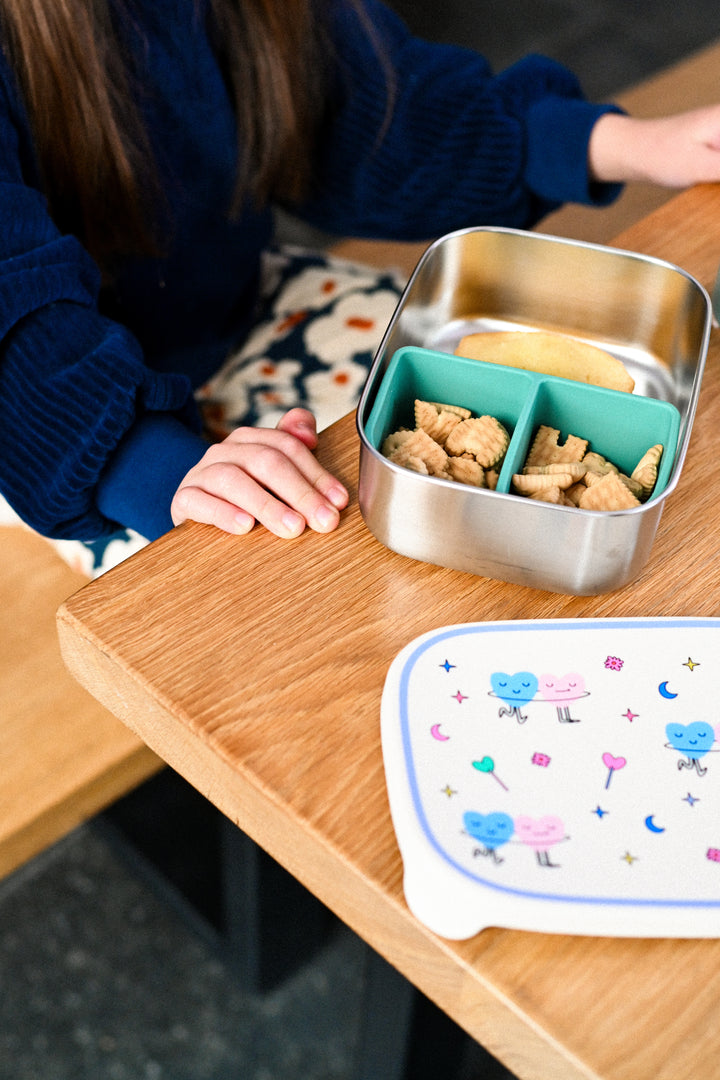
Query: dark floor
(101, 977)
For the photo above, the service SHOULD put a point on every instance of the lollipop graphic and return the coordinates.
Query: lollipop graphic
(487, 765)
(613, 764)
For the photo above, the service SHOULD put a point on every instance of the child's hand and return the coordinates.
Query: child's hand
(266, 475)
(672, 151)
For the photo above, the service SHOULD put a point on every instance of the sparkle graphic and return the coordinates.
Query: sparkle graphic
(628, 858)
(447, 790)
(692, 664)
(459, 697)
(691, 799)
(630, 715)
(447, 665)
(600, 812)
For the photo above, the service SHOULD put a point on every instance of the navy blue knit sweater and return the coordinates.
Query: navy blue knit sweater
(97, 423)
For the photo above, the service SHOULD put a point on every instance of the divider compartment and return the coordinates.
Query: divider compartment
(618, 425)
(505, 393)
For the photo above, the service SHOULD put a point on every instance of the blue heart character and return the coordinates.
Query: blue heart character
(492, 830)
(515, 689)
(694, 740)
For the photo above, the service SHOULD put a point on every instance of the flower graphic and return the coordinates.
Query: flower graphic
(354, 325)
(613, 663)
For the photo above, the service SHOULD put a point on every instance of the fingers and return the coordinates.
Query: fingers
(301, 424)
(672, 151)
(264, 475)
(683, 149)
(193, 503)
(297, 453)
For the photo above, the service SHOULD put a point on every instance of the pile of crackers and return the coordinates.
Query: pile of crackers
(568, 474)
(450, 443)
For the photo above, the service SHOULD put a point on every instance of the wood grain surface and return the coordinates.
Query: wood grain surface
(255, 667)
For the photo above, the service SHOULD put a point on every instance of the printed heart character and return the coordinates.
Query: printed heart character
(562, 687)
(514, 689)
(539, 833)
(492, 830)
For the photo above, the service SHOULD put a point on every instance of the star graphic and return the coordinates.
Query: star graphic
(692, 664)
(600, 812)
(629, 859)
(447, 790)
(447, 665)
(459, 697)
(630, 715)
(691, 799)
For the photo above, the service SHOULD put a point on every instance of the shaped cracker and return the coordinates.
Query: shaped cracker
(536, 482)
(400, 456)
(552, 494)
(547, 448)
(466, 470)
(646, 470)
(609, 493)
(591, 479)
(633, 486)
(422, 446)
(482, 436)
(394, 440)
(575, 468)
(597, 464)
(437, 420)
(574, 493)
(459, 410)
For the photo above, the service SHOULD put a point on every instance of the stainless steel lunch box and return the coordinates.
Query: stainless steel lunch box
(652, 315)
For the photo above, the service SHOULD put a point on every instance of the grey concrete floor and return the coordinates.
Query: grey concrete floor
(101, 978)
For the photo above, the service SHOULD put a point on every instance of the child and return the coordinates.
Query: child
(144, 144)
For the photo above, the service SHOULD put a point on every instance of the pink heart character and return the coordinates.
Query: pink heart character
(613, 762)
(562, 687)
(539, 833)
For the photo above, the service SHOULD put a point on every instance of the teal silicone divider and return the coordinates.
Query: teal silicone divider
(618, 425)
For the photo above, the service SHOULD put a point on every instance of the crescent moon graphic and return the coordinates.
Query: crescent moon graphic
(663, 688)
(437, 734)
(651, 824)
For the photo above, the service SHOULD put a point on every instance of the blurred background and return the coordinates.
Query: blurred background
(610, 44)
(107, 975)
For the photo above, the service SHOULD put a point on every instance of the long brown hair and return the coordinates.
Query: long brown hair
(94, 155)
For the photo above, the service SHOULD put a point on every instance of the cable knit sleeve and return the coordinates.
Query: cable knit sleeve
(451, 145)
(72, 383)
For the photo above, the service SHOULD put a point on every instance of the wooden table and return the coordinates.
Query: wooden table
(255, 666)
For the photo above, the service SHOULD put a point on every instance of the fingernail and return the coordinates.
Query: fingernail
(337, 495)
(293, 523)
(326, 517)
(243, 523)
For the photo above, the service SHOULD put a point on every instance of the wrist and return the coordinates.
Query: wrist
(140, 479)
(615, 150)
